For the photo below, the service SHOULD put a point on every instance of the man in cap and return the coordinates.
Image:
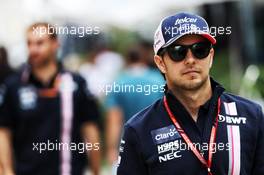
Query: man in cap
(196, 128)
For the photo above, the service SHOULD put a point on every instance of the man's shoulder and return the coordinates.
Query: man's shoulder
(146, 116)
(13, 80)
(77, 78)
(237, 105)
(228, 98)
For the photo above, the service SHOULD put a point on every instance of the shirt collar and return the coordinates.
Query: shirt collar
(28, 77)
(178, 108)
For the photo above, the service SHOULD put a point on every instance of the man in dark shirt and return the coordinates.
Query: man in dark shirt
(47, 116)
(196, 128)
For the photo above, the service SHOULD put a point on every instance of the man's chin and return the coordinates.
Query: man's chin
(34, 64)
(37, 64)
(193, 84)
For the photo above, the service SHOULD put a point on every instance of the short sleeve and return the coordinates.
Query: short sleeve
(130, 161)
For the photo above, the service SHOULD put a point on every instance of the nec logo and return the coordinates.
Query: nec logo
(232, 120)
(170, 156)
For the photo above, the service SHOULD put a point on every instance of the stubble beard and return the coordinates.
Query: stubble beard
(191, 84)
(43, 63)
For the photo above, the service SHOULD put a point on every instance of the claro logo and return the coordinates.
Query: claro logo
(165, 134)
(171, 133)
(232, 120)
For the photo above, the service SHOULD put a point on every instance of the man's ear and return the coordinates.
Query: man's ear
(211, 57)
(160, 63)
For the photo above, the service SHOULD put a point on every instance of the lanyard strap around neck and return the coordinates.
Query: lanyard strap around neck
(197, 153)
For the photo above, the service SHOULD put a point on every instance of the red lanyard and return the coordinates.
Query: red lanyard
(197, 153)
(51, 92)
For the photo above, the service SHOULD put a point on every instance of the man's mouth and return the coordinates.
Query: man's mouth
(190, 71)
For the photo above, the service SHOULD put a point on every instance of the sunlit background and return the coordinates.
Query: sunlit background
(238, 63)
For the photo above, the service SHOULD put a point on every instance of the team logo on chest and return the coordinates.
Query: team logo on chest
(167, 141)
(231, 116)
(27, 98)
(165, 134)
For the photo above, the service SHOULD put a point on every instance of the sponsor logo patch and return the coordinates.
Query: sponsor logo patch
(165, 134)
(232, 119)
(27, 98)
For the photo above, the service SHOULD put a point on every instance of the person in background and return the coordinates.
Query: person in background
(48, 117)
(5, 69)
(137, 87)
(104, 63)
(146, 50)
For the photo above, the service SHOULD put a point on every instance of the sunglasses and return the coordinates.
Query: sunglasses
(178, 52)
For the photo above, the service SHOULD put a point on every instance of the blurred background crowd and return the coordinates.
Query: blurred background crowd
(118, 49)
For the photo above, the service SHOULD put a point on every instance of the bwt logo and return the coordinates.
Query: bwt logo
(185, 20)
(232, 120)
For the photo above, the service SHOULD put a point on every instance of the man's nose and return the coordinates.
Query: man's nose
(32, 48)
(189, 58)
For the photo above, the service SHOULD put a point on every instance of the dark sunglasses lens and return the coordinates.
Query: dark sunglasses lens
(201, 50)
(178, 53)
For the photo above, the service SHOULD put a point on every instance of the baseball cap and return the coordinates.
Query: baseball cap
(173, 27)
